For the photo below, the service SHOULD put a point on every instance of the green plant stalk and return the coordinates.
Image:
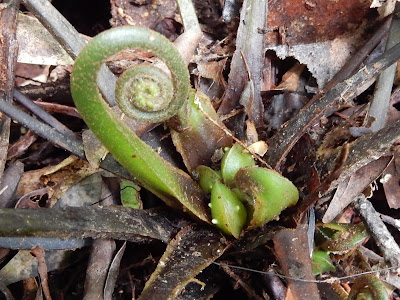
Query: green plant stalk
(266, 193)
(228, 212)
(233, 160)
(342, 238)
(149, 169)
(370, 286)
(207, 177)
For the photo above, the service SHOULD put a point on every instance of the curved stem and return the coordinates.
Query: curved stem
(155, 174)
(371, 285)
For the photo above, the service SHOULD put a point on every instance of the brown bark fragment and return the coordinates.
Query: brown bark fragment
(8, 59)
(291, 249)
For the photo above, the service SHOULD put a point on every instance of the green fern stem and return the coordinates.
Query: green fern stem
(150, 170)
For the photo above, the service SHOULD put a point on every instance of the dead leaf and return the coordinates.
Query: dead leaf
(42, 268)
(58, 179)
(353, 186)
(303, 22)
(82, 193)
(289, 294)
(251, 132)
(95, 152)
(30, 181)
(282, 107)
(290, 80)
(385, 8)
(259, 148)
(34, 199)
(18, 148)
(45, 50)
(113, 273)
(202, 133)
(394, 107)
(147, 15)
(96, 273)
(23, 265)
(247, 99)
(247, 61)
(321, 34)
(213, 70)
(9, 183)
(192, 250)
(391, 182)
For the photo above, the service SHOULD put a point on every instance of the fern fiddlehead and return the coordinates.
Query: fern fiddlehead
(154, 173)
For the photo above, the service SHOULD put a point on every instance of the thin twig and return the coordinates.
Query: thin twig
(383, 88)
(45, 116)
(116, 222)
(6, 292)
(44, 130)
(391, 221)
(187, 42)
(362, 151)
(330, 98)
(251, 43)
(230, 10)
(58, 108)
(112, 222)
(329, 280)
(313, 197)
(42, 269)
(357, 59)
(244, 285)
(385, 241)
(70, 40)
(188, 15)
(75, 146)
